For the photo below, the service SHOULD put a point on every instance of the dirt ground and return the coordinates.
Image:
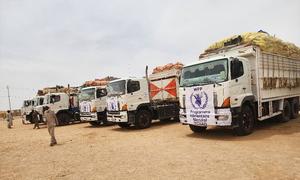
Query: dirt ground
(164, 151)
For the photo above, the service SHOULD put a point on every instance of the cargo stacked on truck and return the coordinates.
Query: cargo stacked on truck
(92, 101)
(239, 81)
(137, 101)
(64, 102)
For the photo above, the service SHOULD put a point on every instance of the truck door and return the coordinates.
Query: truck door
(240, 84)
(135, 94)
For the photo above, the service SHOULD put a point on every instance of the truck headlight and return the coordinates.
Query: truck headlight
(124, 107)
(94, 109)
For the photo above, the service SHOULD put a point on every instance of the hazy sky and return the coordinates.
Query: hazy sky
(56, 42)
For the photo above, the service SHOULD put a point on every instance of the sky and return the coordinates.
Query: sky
(58, 42)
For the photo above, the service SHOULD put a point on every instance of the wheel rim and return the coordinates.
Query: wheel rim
(286, 111)
(144, 119)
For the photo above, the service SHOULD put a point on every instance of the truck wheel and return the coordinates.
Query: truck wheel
(286, 113)
(123, 125)
(63, 118)
(197, 129)
(143, 119)
(294, 108)
(95, 123)
(246, 122)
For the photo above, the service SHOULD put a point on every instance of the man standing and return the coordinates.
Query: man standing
(9, 119)
(51, 121)
(35, 119)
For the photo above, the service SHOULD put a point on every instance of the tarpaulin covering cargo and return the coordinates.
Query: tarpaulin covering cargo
(57, 89)
(167, 67)
(266, 42)
(164, 82)
(99, 82)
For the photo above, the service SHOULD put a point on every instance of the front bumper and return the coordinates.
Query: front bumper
(117, 116)
(88, 117)
(222, 117)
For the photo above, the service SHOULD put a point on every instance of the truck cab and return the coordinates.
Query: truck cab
(26, 110)
(38, 102)
(92, 103)
(124, 98)
(213, 90)
(64, 105)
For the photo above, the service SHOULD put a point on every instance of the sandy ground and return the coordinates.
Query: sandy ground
(164, 151)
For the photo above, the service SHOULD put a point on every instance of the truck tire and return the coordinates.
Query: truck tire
(245, 122)
(286, 113)
(95, 123)
(197, 129)
(294, 108)
(63, 118)
(123, 125)
(143, 119)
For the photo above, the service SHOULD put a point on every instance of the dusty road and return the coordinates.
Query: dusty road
(164, 151)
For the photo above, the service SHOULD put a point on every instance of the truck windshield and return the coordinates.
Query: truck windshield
(27, 103)
(116, 88)
(205, 73)
(87, 95)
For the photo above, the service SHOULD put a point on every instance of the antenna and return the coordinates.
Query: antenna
(8, 95)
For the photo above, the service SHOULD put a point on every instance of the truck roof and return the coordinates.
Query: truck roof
(233, 51)
(126, 78)
(165, 74)
(92, 87)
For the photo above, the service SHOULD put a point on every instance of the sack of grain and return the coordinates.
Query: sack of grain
(263, 40)
(167, 67)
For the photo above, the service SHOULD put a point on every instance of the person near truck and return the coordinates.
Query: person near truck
(9, 119)
(35, 119)
(51, 121)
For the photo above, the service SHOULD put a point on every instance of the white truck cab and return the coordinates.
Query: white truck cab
(124, 97)
(38, 102)
(228, 88)
(26, 110)
(64, 105)
(137, 101)
(92, 103)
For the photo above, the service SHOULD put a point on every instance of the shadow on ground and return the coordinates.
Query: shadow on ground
(264, 129)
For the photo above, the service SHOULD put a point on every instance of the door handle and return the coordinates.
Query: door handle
(140, 98)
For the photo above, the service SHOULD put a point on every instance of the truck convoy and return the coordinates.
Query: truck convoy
(136, 101)
(92, 101)
(239, 81)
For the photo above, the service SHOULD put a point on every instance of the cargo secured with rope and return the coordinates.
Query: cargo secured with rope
(266, 42)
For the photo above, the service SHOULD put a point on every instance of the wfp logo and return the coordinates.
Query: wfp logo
(199, 99)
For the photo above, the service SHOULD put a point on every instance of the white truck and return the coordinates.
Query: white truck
(65, 106)
(237, 85)
(26, 110)
(136, 101)
(92, 103)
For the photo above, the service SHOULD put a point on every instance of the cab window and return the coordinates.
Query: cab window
(101, 93)
(133, 86)
(54, 98)
(236, 68)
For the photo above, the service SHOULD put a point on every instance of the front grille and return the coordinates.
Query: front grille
(114, 112)
(85, 113)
